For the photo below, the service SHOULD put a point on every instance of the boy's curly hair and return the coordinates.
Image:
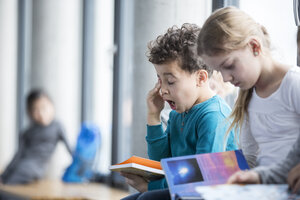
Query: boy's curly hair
(178, 44)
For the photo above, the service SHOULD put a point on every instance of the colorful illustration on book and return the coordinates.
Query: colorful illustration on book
(185, 173)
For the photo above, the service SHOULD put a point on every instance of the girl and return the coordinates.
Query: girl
(267, 109)
(37, 143)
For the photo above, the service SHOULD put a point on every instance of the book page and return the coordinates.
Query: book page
(246, 192)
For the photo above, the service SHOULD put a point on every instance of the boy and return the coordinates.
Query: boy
(197, 122)
(37, 143)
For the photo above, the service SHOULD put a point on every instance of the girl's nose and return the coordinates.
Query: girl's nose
(226, 77)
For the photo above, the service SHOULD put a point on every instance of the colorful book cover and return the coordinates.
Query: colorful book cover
(185, 173)
(149, 169)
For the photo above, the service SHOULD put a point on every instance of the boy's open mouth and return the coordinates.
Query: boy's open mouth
(172, 104)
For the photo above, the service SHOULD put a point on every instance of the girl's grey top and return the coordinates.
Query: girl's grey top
(36, 146)
(278, 173)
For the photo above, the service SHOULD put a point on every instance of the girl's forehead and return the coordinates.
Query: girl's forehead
(215, 61)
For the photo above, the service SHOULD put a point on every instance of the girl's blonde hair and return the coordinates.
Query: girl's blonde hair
(226, 30)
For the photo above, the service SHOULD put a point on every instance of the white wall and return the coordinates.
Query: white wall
(277, 16)
(8, 80)
(103, 77)
(56, 66)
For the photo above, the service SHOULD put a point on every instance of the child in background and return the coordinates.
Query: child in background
(267, 109)
(224, 89)
(37, 143)
(220, 87)
(197, 123)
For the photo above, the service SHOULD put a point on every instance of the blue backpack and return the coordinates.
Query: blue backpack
(88, 145)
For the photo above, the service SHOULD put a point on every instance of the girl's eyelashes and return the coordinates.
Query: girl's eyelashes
(228, 67)
(170, 83)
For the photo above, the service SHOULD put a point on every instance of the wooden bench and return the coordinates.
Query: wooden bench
(57, 190)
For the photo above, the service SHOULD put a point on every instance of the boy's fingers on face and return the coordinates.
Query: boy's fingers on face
(151, 93)
(159, 81)
(157, 84)
(157, 87)
(155, 92)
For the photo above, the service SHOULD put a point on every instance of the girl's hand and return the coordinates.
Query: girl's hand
(294, 179)
(137, 182)
(155, 104)
(244, 177)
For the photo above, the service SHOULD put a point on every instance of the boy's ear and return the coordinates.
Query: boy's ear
(202, 77)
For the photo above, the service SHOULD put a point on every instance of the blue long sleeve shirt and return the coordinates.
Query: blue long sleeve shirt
(202, 129)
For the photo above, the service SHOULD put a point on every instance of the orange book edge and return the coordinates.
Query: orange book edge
(142, 161)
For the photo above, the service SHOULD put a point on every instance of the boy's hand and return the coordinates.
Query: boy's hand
(244, 177)
(136, 182)
(155, 105)
(294, 179)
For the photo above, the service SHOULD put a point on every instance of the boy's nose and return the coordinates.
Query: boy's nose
(163, 91)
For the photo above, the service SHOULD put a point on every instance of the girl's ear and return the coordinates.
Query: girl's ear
(202, 77)
(255, 46)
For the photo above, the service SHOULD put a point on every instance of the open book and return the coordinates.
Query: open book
(247, 192)
(186, 173)
(149, 169)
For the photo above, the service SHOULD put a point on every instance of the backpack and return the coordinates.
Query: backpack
(84, 157)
